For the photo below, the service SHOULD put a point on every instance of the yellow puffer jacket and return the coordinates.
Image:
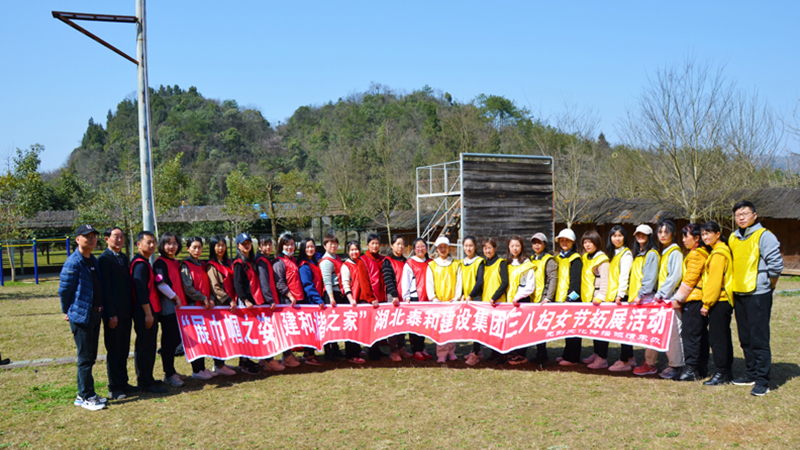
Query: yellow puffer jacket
(693, 273)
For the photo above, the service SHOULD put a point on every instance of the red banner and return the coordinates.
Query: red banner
(261, 333)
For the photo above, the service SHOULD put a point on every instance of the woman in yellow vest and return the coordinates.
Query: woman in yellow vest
(619, 272)
(495, 284)
(594, 289)
(568, 289)
(472, 278)
(718, 302)
(546, 269)
(644, 275)
(521, 285)
(443, 283)
(694, 332)
(670, 271)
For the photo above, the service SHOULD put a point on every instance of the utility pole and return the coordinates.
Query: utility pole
(145, 155)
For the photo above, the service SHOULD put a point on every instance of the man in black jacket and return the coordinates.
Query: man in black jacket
(117, 314)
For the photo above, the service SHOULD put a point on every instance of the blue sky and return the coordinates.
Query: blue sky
(278, 56)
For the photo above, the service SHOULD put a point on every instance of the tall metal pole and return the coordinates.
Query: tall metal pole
(145, 160)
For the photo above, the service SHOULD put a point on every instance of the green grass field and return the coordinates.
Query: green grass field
(389, 405)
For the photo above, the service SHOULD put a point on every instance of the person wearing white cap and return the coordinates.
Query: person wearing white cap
(546, 269)
(570, 268)
(443, 282)
(644, 275)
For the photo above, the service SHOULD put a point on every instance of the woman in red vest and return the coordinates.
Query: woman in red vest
(248, 289)
(222, 293)
(196, 288)
(414, 290)
(287, 282)
(349, 286)
(172, 297)
(311, 278)
(266, 279)
(392, 270)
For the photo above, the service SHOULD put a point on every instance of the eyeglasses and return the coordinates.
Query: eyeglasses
(743, 215)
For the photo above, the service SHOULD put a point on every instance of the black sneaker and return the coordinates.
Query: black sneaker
(116, 395)
(718, 379)
(744, 381)
(759, 390)
(154, 389)
(688, 374)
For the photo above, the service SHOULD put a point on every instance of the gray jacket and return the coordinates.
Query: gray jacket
(770, 263)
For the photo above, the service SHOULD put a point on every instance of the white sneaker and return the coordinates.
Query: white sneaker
(620, 366)
(202, 375)
(290, 361)
(224, 370)
(598, 363)
(590, 359)
(92, 403)
(174, 380)
(452, 357)
(79, 400)
(274, 365)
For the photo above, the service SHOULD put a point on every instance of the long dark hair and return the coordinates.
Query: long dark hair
(523, 255)
(162, 241)
(650, 245)
(251, 257)
(610, 247)
(714, 227)
(212, 250)
(671, 228)
(302, 251)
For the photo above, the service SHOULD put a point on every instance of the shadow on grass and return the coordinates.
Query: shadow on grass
(23, 295)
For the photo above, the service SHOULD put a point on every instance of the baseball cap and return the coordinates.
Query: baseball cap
(644, 229)
(566, 233)
(85, 229)
(243, 237)
(539, 236)
(441, 240)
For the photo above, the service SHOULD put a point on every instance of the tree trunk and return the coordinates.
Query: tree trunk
(346, 228)
(273, 220)
(10, 251)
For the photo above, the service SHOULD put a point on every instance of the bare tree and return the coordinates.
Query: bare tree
(699, 139)
(569, 142)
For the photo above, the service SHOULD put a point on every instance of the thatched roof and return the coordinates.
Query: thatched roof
(771, 203)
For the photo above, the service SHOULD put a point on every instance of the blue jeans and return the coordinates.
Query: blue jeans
(86, 340)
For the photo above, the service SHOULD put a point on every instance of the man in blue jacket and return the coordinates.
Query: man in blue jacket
(81, 296)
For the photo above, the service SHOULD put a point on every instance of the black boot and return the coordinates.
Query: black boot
(718, 379)
(3, 362)
(688, 374)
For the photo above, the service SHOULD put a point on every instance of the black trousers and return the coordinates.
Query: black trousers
(144, 354)
(752, 318)
(170, 339)
(86, 340)
(572, 349)
(118, 343)
(694, 334)
(541, 352)
(719, 335)
(601, 348)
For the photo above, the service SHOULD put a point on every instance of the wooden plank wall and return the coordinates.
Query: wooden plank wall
(504, 197)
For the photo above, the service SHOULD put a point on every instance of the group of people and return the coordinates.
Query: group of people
(705, 284)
